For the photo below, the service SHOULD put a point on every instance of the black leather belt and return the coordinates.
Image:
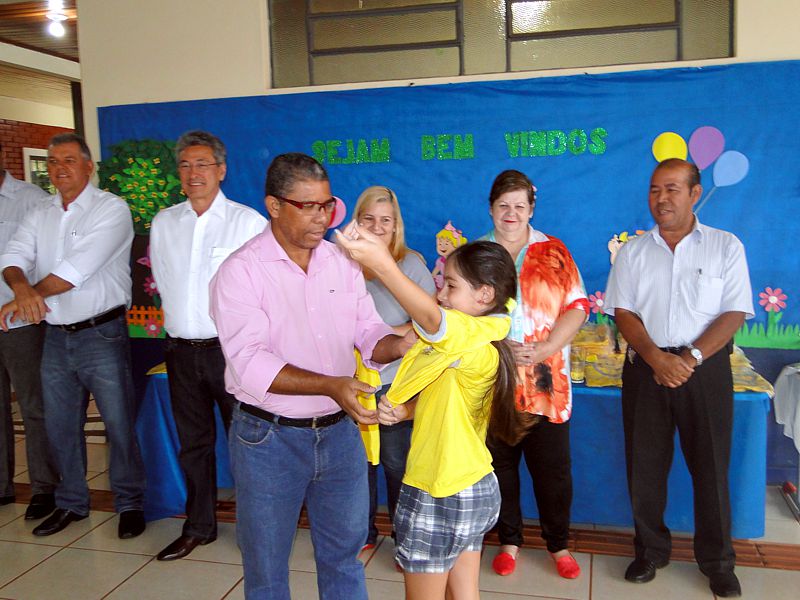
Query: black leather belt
(94, 321)
(673, 349)
(312, 422)
(205, 343)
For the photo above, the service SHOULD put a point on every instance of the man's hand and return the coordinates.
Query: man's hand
(345, 390)
(531, 353)
(670, 370)
(28, 306)
(392, 415)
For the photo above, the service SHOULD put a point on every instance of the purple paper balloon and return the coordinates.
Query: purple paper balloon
(705, 145)
(730, 168)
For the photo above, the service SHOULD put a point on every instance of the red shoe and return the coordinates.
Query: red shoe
(366, 547)
(568, 567)
(504, 564)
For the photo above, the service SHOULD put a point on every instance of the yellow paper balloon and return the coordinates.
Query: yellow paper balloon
(669, 145)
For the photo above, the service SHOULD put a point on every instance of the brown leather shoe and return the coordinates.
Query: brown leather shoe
(181, 547)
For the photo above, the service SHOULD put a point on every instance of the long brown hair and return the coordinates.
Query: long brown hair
(488, 263)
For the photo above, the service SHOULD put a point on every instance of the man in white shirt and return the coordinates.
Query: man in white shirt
(188, 242)
(68, 264)
(20, 359)
(678, 294)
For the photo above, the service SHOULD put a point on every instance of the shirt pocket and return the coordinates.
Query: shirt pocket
(217, 256)
(709, 294)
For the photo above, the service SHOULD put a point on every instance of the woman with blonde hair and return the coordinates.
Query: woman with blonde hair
(378, 211)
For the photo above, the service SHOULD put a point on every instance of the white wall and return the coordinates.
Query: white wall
(17, 109)
(153, 51)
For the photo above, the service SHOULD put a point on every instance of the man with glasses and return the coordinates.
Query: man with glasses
(188, 242)
(290, 308)
(78, 249)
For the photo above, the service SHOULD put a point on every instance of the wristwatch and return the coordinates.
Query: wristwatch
(696, 354)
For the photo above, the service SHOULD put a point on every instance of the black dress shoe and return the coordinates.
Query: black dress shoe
(643, 570)
(131, 524)
(41, 505)
(6, 500)
(725, 585)
(57, 521)
(181, 547)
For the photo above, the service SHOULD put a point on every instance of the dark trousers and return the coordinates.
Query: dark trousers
(702, 411)
(20, 360)
(547, 455)
(196, 383)
(395, 443)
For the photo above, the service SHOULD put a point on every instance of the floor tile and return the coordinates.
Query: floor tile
(157, 535)
(79, 575)
(226, 494)
(781, 531)
(302, 586)
(223, 550)
(776, 506)
(536, 575)
(386, 590)
(22, 477)
(20, 457)
(99, 481)
(302, 558)
(97, 457)
(10, 512)
(21, 530)
(17, 558)
(381, 564)
(677, 581)
(768, 583)
(159, 580)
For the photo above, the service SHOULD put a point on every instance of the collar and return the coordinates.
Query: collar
(10, 185)
(83, 201)
(269, 250)
(697, 233)
(218, 208)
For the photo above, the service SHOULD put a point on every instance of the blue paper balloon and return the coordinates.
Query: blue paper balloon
(731, 167)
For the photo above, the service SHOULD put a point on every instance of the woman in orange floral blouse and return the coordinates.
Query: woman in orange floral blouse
(551, 307)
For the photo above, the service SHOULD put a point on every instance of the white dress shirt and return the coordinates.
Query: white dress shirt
(185, 253)
(677, 295)
(17, 198)
(88, 245)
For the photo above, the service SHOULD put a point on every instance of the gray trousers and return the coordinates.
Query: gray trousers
(20, 361)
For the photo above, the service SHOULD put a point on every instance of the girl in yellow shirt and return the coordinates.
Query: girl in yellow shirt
(465, 377)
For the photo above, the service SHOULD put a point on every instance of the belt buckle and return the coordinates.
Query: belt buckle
(314, 422)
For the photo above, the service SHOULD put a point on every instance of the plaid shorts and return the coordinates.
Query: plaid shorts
(433, 532)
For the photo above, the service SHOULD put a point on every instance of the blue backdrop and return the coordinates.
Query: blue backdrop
(586, 141)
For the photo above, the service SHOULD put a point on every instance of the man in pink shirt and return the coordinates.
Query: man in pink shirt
(289, 309)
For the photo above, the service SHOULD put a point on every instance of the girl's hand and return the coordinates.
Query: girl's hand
(389, 415)
(364, 247)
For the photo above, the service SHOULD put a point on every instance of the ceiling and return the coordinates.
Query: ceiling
(25, 24)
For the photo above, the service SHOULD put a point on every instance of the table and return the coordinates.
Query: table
(598, 463)
(598, 466)
(165, 495)
(787, 410)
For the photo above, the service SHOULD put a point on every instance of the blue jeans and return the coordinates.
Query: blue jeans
(277, 469)
(97, 361)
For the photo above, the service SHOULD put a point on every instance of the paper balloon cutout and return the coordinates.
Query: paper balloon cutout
(338, 213)
(730, 168)
(669, 145)
(705, 146)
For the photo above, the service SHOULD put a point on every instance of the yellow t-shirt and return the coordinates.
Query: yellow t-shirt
(453, 370)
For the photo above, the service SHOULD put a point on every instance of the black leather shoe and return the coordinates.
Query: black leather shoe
(41, 505)
(642, 570)
(181, 547)
(131, 524)
(57, 522)
(725, 585)
(7, 500)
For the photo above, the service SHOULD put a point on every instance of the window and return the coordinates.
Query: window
(34, 161)
(337, 41)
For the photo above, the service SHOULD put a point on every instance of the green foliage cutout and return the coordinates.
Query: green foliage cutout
(144, 174)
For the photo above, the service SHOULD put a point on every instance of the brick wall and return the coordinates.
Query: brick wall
(16, 135)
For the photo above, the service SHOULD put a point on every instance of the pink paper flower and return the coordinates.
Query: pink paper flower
(772, 300)
(150, 287)
(597, 302)
(145, 260)
(152, 328)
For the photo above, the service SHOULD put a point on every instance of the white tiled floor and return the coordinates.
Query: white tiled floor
(87, 561)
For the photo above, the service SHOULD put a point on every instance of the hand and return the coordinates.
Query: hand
(28, 305)
(9, 310)
(364, 247)
(671, 370)
(345, 390)
(392, 415)
(531, 353)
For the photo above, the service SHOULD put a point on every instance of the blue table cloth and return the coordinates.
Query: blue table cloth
(598, 463)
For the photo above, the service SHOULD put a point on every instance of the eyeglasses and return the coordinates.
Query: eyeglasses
(202, 167)
(308, 207)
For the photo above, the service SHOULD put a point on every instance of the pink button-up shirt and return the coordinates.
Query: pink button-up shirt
(270, 313)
